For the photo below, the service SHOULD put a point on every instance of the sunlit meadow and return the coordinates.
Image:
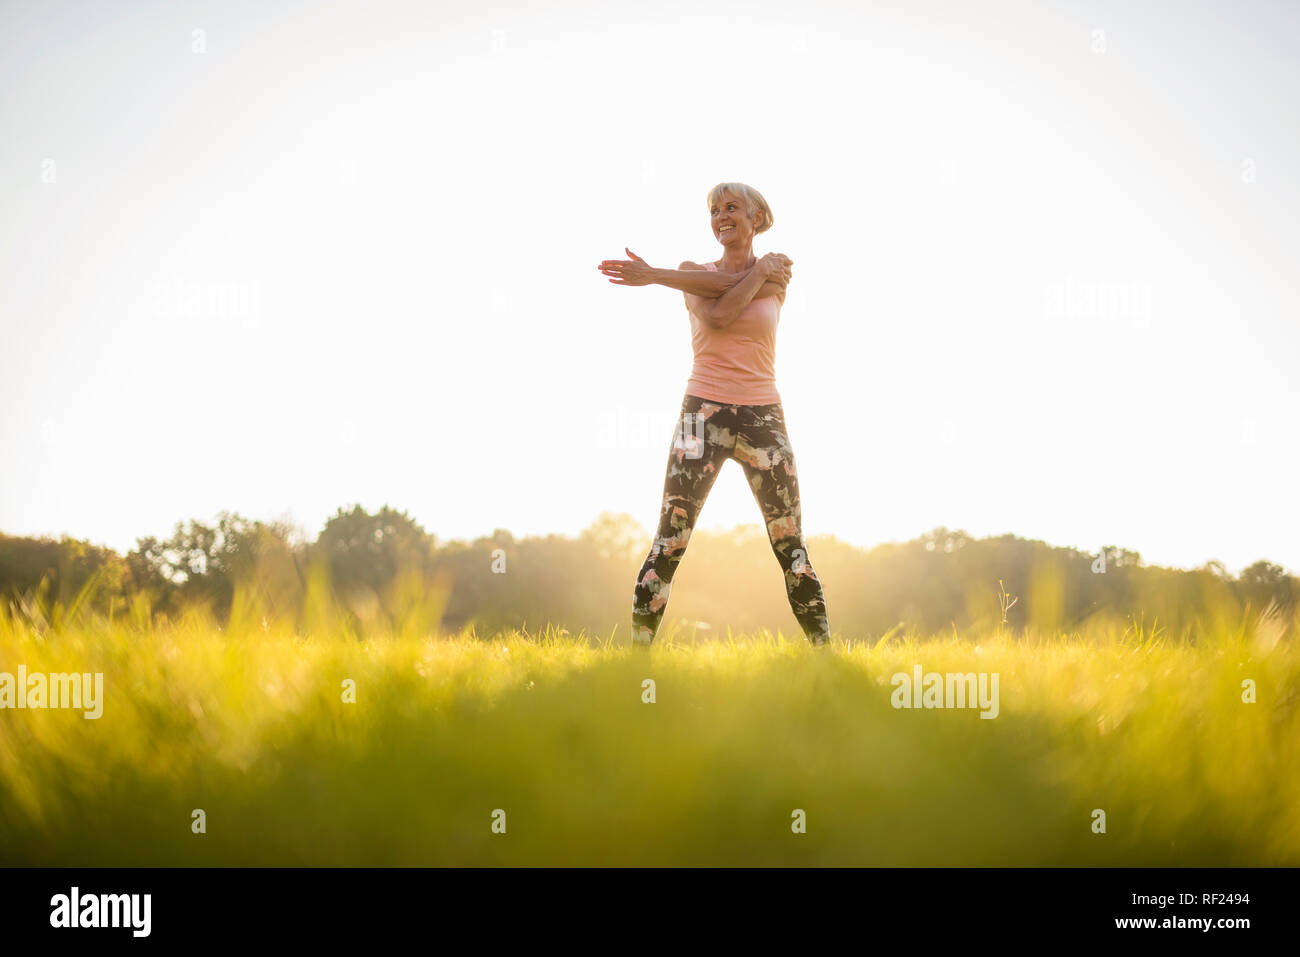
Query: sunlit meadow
(552, 736)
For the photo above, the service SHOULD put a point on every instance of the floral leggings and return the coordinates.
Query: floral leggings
(709, 433)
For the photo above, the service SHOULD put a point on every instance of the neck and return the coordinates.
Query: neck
(738, 260)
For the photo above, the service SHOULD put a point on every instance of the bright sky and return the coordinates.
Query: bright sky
(318, 255)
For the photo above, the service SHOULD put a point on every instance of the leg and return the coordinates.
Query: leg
(704, 437)
(763, 451)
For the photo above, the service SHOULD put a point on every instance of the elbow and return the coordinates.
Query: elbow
(715, 316)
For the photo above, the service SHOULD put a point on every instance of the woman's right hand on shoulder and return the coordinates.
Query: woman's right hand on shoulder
(776, 267)
(774, 264)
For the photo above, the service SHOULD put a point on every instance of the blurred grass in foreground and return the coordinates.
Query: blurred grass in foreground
(248, 723)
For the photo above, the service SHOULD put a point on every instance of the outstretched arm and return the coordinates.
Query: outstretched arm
(688, 277)
(695, 279)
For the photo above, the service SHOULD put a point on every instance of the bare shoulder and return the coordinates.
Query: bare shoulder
(687, 264)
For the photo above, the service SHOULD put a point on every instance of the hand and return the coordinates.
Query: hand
(623, 272)
(780, 274)
(780, 280)
(776, 264)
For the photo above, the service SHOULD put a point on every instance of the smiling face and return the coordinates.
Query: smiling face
(731, 221)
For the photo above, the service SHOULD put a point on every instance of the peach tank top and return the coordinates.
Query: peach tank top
(737, 365)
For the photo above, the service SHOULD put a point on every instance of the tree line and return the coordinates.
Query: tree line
(376, 570)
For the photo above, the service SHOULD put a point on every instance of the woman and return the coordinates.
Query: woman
(731, 408)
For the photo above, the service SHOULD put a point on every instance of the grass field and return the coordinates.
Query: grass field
(251, 727)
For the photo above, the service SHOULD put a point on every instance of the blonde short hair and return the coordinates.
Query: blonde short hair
(755, 200)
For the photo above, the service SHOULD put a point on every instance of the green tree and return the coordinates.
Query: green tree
(202, 564)
(370, 551)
